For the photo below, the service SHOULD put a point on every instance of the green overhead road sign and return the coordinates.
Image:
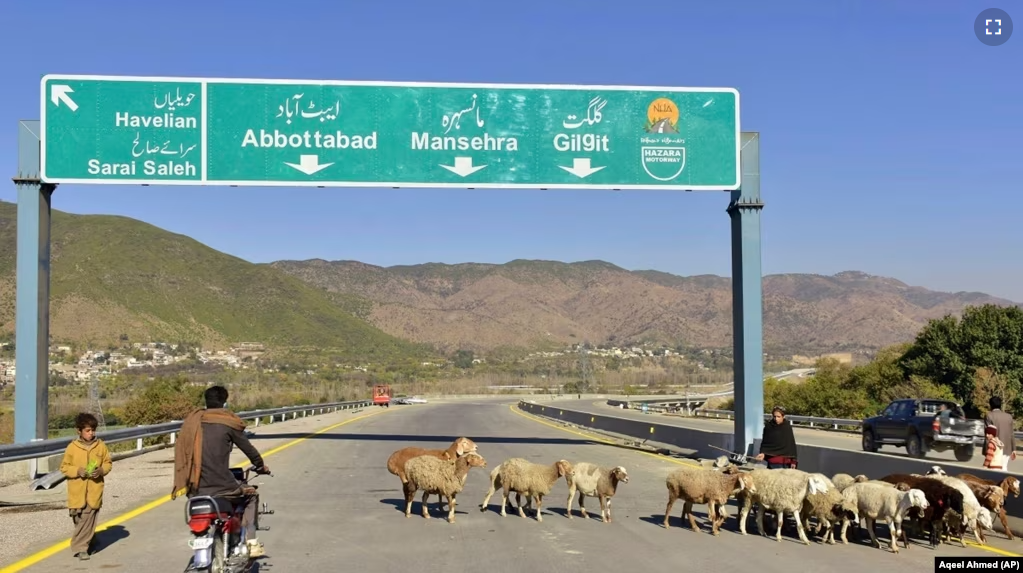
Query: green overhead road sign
(215, 131)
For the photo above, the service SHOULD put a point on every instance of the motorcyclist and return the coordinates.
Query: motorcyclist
(206, 469)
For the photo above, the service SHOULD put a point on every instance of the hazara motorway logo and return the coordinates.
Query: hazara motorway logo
(664, 155)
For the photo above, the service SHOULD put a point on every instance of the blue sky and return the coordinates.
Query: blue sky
(889, 133)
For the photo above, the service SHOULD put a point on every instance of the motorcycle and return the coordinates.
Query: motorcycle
(218, 538)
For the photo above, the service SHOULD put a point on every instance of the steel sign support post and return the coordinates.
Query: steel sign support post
(747, 300)
(32, 321)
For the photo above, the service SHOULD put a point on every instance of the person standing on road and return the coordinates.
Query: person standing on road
(86, 461)
(994, 458)
(1006, 430)
(778, 444)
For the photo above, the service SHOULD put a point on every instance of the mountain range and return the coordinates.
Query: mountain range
(114, 276)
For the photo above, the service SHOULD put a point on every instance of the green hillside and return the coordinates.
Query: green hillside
(114, 275)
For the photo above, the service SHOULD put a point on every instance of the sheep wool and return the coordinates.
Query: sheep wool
(527, 478)
(829, 508)
(699, 485)
(971, 505)
(889, 504)
(397, 460)
(595, 481)
(782, 491)
(442, 477)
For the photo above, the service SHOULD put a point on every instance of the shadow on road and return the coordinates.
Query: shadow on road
(446, 440)
(108, 537)
(417, 508)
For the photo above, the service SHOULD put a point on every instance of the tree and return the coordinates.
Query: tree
(163, 400)
(463, 358)
(987, 384)
(949, 351)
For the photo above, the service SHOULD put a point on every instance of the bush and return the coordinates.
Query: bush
(162, 400)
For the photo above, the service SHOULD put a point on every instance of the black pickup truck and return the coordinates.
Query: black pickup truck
(915, 424)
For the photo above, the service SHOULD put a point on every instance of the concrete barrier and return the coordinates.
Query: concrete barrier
(816, 459)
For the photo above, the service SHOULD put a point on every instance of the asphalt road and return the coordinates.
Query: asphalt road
(338, 508)
(840, 440)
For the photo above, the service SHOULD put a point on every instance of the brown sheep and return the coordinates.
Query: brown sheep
(458, 448)
(1009, 485)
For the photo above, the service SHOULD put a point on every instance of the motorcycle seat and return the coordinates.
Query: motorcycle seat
(202, 505)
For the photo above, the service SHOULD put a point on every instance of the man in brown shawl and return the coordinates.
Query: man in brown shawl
(202, 455)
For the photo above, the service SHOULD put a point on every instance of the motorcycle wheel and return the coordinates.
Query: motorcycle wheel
(218, 562)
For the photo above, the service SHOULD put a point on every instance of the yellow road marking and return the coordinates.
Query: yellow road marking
(58, 547)
(538, 420)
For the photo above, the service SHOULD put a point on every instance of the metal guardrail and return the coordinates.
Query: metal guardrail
(56, 446)
(810, 421)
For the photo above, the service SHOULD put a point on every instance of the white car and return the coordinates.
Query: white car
(415, 400)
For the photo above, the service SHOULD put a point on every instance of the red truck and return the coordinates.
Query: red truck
(382, 395)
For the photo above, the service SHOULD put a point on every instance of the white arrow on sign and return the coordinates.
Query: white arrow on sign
(309, 164)
(463, 166)
(581, 167)
(58, 93)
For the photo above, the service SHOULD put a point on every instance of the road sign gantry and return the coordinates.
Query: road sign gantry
(213, 131)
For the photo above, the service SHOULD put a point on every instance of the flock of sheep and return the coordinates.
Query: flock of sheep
(945, 506)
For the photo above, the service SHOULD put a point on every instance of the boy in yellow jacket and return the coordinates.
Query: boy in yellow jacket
(86, 461)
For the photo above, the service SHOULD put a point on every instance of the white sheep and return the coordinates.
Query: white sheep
(889, 504)
(782, 491)
(525, 478)
(971, 505)
(842, 480)
(699, 485)
(595, 481)
(442, 477)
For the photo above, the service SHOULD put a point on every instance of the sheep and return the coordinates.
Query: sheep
(842, 480)
(990, 497)
(830, 508)
(1009, 485)
(940, 499)
(458, 448)
(442, 477)
(526, 478)
(971, 505)
(595, 481)
(698, 485)
(879, 502)
(782, 491)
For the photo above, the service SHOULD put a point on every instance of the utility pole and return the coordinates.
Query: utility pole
(95, 407)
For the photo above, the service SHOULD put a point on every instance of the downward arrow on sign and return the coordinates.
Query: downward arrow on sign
(309, 164)
(581, 167)
(463, 166)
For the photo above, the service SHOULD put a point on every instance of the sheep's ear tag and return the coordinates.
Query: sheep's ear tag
(941, 502)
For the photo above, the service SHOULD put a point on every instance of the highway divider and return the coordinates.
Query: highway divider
(814, 459)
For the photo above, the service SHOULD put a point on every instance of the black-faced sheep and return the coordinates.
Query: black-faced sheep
(699, 485)
(442, 477)
(595, 481)
(525, 478)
